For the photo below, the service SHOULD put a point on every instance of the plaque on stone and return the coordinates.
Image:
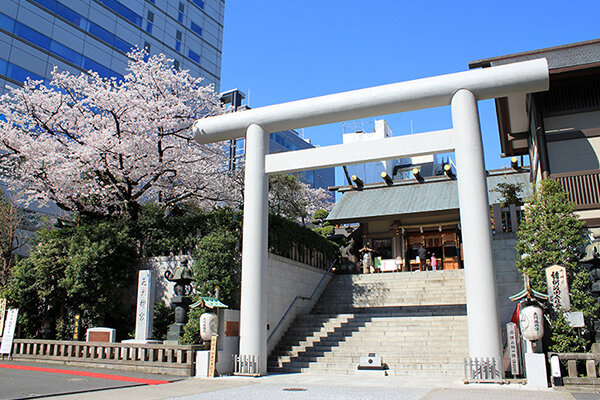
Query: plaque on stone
(9, 331)
(558, 288)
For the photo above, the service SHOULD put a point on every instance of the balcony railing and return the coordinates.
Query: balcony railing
(583, 188)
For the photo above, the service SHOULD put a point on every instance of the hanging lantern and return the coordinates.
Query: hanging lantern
(531, 322)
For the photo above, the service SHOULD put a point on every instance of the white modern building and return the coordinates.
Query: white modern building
(79, 35)
(397, 169)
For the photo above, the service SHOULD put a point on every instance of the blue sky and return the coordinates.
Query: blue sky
(280, 50)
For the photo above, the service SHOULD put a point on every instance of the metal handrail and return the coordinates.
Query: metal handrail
(301, 298)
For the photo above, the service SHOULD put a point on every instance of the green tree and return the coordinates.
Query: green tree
(217, 263)
(549, 234)
(511, 193)
(320, 225)
(285, 197)
(80, 270)
(191, 330)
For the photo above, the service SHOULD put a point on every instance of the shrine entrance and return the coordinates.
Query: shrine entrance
(461, 91)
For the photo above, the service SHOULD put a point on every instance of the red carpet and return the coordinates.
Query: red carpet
(83, 373)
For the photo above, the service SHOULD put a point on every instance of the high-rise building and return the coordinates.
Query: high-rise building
(79, 35)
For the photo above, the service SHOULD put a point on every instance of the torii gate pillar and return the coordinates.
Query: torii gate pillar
(480, 282)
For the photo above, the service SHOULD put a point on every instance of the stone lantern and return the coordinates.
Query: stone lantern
(181, 301)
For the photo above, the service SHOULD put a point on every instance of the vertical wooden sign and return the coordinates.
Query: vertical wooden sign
(558, 288)
(212, 358)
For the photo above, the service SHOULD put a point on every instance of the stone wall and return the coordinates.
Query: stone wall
(286, 280)
(508, 279)
(163, 290)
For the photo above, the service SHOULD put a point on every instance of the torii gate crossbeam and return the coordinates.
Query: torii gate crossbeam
(460, 90)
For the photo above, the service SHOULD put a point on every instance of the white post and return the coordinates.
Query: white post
(482, 311)
(253, 316)
(145, 306)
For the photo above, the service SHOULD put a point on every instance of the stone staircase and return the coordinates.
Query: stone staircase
(415, 321)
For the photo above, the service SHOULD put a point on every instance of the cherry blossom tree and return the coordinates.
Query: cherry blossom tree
(103, 146)
(291, 198)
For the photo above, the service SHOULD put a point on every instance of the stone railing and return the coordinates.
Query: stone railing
(178, 360)
(580, 376)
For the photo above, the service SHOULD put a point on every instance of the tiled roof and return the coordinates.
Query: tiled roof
(410, 197)
(570, 55)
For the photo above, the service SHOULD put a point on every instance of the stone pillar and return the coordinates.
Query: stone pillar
(480, 285)
(253, 313)
(144, 313)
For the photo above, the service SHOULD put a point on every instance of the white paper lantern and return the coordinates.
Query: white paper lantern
(531, 323)
(208, 325)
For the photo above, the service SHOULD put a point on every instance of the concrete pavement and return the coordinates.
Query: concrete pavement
(308, 386)
(85, 383)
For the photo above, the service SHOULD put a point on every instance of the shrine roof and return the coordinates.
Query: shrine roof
(411, 197)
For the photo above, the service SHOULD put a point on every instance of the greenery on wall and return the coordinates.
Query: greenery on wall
(549, 234)
(284, 233)
(89, 269)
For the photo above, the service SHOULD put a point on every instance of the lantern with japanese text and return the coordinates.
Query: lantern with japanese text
(531, 322)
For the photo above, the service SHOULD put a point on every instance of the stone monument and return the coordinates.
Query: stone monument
(145, 306)
(144, 312)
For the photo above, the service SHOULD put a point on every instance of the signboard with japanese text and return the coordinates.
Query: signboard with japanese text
(9, 331)
(512, 334)
(558, 288)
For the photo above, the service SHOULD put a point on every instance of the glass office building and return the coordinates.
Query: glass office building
(79, 35)
(288, 141)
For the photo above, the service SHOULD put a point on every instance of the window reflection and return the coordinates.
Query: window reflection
(85, 24)
(196, 28)
(54, 47)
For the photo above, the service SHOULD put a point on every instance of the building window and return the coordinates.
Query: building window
(194, 56)
(147, 47)
(180, 13)
(123, 10)
(176, 64)
(178, 37)
(196, 28)
(199, 3)
(150, 22)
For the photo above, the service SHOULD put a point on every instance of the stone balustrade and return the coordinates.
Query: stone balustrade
(178, 360)
(579, 375)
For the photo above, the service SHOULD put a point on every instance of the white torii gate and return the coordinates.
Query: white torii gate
(462, 91)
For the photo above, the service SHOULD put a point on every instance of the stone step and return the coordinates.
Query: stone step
(444, 370)
(417, 350)
(415, 321)
(387, 359)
